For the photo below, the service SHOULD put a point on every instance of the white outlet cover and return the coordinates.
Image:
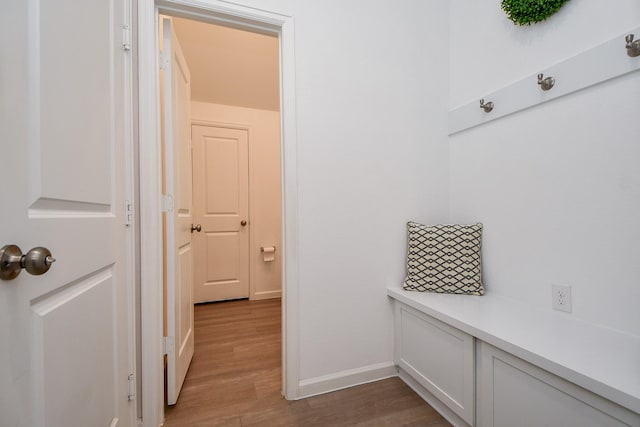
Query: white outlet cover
(561, 297)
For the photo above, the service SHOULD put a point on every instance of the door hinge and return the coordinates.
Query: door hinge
(164, 61)
(167, 203)
(168, 344)
(131, 394)
(128, 213)
(126, 38)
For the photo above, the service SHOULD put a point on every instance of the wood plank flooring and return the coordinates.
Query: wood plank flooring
(234, 380)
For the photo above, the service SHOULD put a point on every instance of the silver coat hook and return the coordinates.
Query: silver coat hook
(633, 47)
(545, 83)
(486, 107)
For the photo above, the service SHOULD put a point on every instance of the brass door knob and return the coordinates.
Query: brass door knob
(197, 228)
(243, 223)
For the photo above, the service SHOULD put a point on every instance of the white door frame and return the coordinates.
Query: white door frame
(221, 12)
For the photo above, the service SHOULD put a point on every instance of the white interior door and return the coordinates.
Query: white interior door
(221, 206)
(176, 91)
(65, 336)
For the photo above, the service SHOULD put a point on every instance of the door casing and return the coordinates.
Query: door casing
(221, 13)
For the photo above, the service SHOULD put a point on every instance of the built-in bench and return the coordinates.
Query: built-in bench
(494, 361)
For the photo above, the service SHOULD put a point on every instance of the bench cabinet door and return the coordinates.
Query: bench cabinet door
(512, 392)
(439, 357)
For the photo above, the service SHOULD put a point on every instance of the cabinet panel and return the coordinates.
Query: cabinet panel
(512, 392)
(439, 357)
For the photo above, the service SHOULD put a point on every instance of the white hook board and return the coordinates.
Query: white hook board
(596, 65)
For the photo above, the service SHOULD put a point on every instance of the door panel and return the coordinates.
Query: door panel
(74, 105)
(67, 335)
(176, 90)
(222, 180)
(87, 302)
(185, 302)
(221, 203)
(225, 249)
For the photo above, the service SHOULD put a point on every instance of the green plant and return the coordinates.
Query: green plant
(526, 12)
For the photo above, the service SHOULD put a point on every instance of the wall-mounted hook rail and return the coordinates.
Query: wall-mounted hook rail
(633, 47)
(545, 83)
(601, 63)
(486, 107)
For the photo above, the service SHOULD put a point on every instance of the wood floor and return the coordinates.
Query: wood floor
(234, 380)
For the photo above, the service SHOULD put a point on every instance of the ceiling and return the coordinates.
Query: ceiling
(229, 66)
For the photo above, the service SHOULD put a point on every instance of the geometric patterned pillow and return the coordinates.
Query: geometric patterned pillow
(444, 259)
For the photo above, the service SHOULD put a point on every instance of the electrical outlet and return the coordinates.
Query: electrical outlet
(561, 297)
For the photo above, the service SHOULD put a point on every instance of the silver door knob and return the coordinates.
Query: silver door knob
(243, 223)
(197, 228)
(37, 261)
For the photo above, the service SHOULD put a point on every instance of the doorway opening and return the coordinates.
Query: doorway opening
(220, 121)
(151, 262)
(235, 124)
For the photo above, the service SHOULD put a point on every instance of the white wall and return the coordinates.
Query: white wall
(557, 186)
(372, 155)
(371, 128)
(264, 188)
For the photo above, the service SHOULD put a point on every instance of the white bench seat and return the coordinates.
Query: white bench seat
(603, 361)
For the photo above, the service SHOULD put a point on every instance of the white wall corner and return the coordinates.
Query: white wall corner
(346, 379)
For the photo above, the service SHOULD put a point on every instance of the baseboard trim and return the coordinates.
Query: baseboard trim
(267, 295)
(346, 379)
(428, 397)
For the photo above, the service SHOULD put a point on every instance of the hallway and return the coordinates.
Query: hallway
(234, 380)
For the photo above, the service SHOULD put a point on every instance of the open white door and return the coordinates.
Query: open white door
(66, 335)
(176, 91)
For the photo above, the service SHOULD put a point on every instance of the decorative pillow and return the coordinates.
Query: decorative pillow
(444, 259)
